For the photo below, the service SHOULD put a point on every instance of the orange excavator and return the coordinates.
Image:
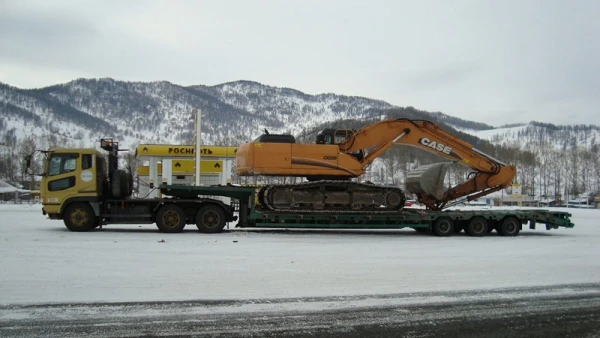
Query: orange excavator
(342, 154)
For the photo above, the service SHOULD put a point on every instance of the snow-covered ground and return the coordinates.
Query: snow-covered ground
(42, 262)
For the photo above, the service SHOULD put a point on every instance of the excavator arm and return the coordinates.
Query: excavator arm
(489, 173)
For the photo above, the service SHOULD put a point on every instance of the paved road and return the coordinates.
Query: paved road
(556, 311)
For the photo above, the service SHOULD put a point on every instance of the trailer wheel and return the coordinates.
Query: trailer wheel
(80, 217)
(210, 219)
(510, 226)
(170, 218)
(443, 226)
(478, 226)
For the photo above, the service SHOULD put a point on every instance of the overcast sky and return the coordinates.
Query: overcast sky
(497, 61)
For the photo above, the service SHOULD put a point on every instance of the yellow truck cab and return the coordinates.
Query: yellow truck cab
(71, 175)
(76, 182)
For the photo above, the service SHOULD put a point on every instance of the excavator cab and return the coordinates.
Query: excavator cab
(336, 136)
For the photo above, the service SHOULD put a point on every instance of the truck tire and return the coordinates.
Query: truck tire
(510, 226)
(126, 188)
(120, 184)
(210, 219)
(443, 226)
(170, 218)
(80, 217)
(115, 184)
(477, 226)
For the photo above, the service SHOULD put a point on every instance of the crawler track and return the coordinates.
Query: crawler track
(331, 195)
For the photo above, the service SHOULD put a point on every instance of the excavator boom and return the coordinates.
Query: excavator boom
(490, 174)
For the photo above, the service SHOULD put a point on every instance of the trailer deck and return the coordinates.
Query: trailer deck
(411, 218)
(252, 215)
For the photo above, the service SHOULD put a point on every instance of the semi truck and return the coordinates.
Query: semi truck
(85, 190)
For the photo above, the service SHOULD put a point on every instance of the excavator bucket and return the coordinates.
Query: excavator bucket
(428, 180)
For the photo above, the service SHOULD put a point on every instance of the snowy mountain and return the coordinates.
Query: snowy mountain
(82, 111)
(539, 135)
(161, 112)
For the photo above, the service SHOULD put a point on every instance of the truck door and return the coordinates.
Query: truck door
(60, 177)
(68, 174)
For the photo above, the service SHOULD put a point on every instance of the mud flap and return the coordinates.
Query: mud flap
(428, 180)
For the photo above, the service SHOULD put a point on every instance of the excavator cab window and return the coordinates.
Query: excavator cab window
(336, 136)
(324, 139)
(325, 136)
(333, 136)
(341, 134)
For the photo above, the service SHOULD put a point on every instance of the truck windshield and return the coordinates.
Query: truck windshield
(62, 163)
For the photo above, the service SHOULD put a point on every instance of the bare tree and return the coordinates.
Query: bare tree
(26, 147)
(9, 163)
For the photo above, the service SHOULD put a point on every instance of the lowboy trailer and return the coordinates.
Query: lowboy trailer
(507, 222)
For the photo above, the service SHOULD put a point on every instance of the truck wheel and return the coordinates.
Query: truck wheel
(170, 218)
(478, 226)
(443, 226)
(210, 219)
(510, 226)
(80, 217)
